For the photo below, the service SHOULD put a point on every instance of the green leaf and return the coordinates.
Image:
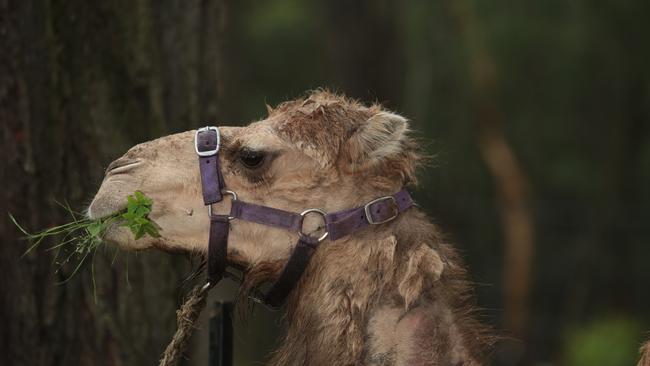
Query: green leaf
(139, 196)
(152, 231)
(142, 211)
(95, 228)
(134, 229)
(139, 233)
(142, 199)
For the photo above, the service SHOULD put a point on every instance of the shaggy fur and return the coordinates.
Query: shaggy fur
(402, 269)
(410, 278)
(393, 294)
(645, 355)
(357, 140)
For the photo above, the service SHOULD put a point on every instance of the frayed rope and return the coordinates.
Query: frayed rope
(186, 318)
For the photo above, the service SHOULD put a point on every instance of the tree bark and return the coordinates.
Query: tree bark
(80, 82)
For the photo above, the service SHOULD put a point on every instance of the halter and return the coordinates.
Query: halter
(207, 141)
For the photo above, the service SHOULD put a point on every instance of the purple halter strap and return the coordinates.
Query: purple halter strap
(207, 141)
(337, 224)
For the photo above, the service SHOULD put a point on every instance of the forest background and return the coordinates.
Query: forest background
(537, 114)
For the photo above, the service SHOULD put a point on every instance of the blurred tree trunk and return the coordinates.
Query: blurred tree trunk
(511, 183)
(80, 82)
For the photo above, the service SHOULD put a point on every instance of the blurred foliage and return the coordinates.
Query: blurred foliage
(574, 88)
(609, 341)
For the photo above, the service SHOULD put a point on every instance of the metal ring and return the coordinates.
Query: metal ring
(322, 213)
(206, 287)
(231, 193)
(233, 196)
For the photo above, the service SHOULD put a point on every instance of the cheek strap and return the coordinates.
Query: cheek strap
(217, 247)
(207, 141)
(292, 272)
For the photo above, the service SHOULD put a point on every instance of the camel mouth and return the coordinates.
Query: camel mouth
(121, 237)
(115, 233)
(101, 207)
(118, 183)
(97, 213)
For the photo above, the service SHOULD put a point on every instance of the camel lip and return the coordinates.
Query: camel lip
(121, 237)
(94, 212)
(98, 216)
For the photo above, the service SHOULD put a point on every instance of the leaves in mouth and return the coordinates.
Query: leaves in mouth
(82, 236)
(135, 217)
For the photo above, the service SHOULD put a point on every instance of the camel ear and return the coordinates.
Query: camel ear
(379, 137)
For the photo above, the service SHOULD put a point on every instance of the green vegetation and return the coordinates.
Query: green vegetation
(606, 341)
(82, 236)
(136, 216)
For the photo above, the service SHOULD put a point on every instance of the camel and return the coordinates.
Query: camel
(390, 294)
(645, 354)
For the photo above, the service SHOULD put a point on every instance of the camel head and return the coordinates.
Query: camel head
(323, 151)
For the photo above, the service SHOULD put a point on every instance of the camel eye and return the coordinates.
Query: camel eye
(251, 159)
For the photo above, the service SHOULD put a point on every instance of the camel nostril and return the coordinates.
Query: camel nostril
(122, 165)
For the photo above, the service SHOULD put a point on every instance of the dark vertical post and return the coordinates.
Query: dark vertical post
(220, 346)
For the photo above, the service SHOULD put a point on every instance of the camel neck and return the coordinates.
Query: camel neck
(328, 313)
(376, 296)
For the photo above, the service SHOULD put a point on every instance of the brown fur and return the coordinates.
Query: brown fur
(364, 280)
(393, 294)
(645, 355)
(323, 122)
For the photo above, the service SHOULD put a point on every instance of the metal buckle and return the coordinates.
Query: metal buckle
(196, 141)
(208, 285)
(322, 213)
(233, 196)
(367, 206)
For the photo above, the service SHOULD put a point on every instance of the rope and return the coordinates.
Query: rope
(186, 317)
